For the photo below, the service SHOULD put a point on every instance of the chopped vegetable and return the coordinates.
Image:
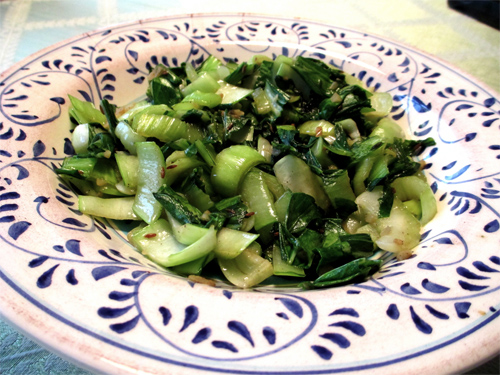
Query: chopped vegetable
(287, 168)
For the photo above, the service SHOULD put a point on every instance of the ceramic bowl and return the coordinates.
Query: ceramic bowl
(75, 285)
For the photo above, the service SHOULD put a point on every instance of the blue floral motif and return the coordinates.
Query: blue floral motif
(441, 287)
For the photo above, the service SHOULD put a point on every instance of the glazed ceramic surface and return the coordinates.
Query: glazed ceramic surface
(74, 284)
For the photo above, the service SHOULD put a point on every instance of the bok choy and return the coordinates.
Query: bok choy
(253, 172)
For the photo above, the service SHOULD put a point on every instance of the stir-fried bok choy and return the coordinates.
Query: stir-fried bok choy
(286, 168)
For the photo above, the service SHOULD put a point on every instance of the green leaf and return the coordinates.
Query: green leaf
(85, 112)
(332, 250)
(233, 123)
(357, 269)
(302, 210)
(264, 73)
(319, 76)
(109, 111)
(340, 145)
(178, 206)
(162, 91)
(101, 145)
(229, 212)
(355, 99)
(244, 69)
(363, 148)
(386, 202)
(309, 242)
(277, 98)
(77, 166)
(403, 165)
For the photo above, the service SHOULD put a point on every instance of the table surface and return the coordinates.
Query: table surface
(27, 26)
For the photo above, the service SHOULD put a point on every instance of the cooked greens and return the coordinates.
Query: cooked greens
(287, 168)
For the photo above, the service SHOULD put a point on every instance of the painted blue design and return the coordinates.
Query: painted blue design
(38, 261)
(444, 241)
(71, 277)
(165, 314)
(25, 117)
(392, 77)
(58, 248)
(495, 259)
(125, 326)
(23, 172)
(345, 44)
(423, 133)
(190, 316)
(85, 96)
(269, 334)
(433, 287)
(322, 352)
(421, 325)
(106, 255)
(73, 246)
(489, 102)
(471, 287)
(102, 59)
(436, 313)
(66, 195)
(112, 313)
(464, 272)
(102, 272)
(17, 229)
(102, 231)
(354, 327)
(492, 226)
(241, 330)
(74, 222)
(282, 315)
(337, 338)
(458, 173)
(139, 273)
(38, 148)
(391, 275)
(45, 280)
(116, 253)
(128, 282)
(406, 288)
(7, 135)
(489, 122)
(481, 266)
(393, 311)
(121, 296)
(420, 106)
(224, 345)
(292, 306)
(449, 166)
(426, 266)
(463, 106)
(404, 79)
(462, 308)
(345, 311)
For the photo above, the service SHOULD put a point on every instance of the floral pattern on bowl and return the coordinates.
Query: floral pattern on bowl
(74, 283)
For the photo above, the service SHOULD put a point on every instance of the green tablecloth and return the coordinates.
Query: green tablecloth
(27, 26)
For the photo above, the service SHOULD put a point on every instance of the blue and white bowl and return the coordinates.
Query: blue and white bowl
(74, 284)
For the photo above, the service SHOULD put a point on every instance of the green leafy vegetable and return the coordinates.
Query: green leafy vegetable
(178, 206)
(356, 270)
(283, 167)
